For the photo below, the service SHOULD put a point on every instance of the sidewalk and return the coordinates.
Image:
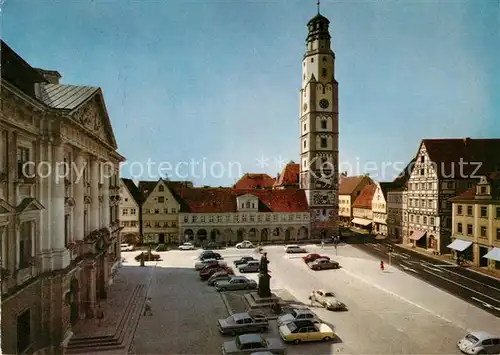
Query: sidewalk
(447, 258)
(120, 294)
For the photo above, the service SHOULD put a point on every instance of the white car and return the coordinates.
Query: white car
(298, 314)
(126, 247)
(186, 246)
(479, 343)
(289, 249)
(246, 244)
(202, 263)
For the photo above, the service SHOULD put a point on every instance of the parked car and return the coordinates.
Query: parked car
(236, 283)
(250, 266)
(186, 246)
(289, 249)
(309, 258)
(126, 247)
(245, 245)
(240, 323)
(479, 343)
(298, 314)
(304, 330)
(323, 264)
(213, 246)
(250, 343)
(211, 269)
(243, 260)
(202, 263)
(211, 255)
(148, 256)
(219, 276)
(328, 300)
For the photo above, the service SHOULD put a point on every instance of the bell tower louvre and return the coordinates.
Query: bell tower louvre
(318, 121)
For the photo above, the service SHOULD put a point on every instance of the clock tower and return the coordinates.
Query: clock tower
(319, 130)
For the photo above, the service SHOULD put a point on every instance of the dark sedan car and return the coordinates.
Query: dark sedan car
(209, 270)
(243, 260)
(212, 255)
(240, 323)
(323, 264)
(309, 258)
(213, 246)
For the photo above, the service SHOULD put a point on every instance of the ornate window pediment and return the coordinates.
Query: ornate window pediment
(87, 200)
(69, 201)
(5, 208)
(29, 204)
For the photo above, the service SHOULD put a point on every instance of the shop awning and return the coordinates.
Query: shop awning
(362, 221)
(417, 235)
(459, 245)
(493, 254)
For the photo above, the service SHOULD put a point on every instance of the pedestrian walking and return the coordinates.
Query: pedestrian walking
(381, 265)
(148, 310)
(311, 297)
(322, 244)
(100, 315)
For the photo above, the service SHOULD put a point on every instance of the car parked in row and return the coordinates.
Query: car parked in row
(213, 246)
(209, 254)
(298, 314)
(328, 300)
(246, 244)
(236, 283)
(246, 344)
(126, 247)
(305, 330)
(309, 258)
(202, 263)
(243, 260)
(239, 323)
(211, 269)
(293, 248)
(250, 266)
(187, 246)
(219, 276)
(323, 264)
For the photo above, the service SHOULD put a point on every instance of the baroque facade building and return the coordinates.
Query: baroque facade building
(443, 168)
(476, 223)
(229, 215)
(318, 129)
(58, 205)
(349, 190)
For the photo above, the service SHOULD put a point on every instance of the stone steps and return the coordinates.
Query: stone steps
(119, 342)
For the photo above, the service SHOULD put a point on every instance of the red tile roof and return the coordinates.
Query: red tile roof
(365, 197)
(447, 154)
(254, 181)
(289, 175)
(349, 183)
(223, 199)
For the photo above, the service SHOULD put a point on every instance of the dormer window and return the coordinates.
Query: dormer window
(482, 190)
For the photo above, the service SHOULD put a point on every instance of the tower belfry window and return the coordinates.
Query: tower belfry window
(312, 60)
(324, 72)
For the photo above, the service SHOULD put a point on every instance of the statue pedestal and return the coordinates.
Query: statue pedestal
(264, 289)
(255, 301)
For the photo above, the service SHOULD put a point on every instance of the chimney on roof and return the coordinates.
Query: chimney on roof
(52, 76)
(466, 140)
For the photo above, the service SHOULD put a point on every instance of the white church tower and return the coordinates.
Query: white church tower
(319, 129)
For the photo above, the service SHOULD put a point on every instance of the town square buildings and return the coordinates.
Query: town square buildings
(59, 196)
(476, 223)
(349, 190)
(130, 211)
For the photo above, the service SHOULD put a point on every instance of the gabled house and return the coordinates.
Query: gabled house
(476, 223)
(443, 169)
(160, 212)
(379, 208)
(130, 211)
(289, 177)
(349, 189)
(362, 208)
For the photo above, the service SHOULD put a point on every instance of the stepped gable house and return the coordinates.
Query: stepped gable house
(60, 232)
(231, 215)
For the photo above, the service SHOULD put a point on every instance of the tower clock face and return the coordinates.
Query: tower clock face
(304, 107)
(323, 103)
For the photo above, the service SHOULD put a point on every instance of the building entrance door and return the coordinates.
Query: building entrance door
(483, 262)
(161, 238)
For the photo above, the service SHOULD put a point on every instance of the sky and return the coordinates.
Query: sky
(208, 90)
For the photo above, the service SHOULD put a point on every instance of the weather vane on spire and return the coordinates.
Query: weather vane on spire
(318, 6)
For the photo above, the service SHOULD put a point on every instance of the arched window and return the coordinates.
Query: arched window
(248, 204)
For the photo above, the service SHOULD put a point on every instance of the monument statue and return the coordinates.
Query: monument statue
(264, 289)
